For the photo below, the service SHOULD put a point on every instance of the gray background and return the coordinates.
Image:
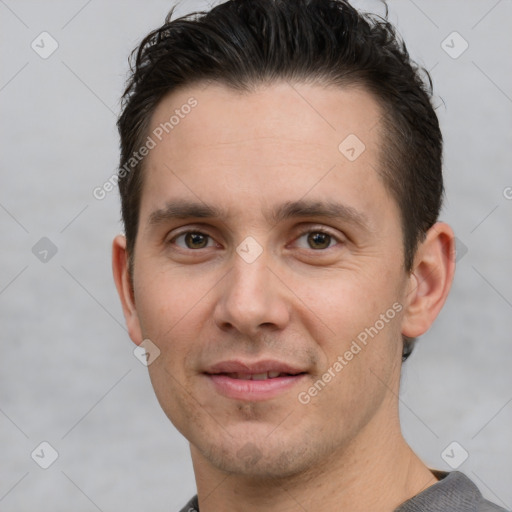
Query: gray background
(68, 374)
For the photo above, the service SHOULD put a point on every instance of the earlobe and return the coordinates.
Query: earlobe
(124, 288)
(430, 280)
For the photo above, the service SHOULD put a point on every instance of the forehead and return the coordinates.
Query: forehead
(280, 141)
(315, 114)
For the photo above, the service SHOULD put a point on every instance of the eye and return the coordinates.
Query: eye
(193, 240)
(316, 240)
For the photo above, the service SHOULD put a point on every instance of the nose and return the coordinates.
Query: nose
(251, 299)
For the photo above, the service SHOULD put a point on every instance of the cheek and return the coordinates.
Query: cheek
(361, 317)
(361, 348)
(172, 313)
(347, 299)
(168, 299)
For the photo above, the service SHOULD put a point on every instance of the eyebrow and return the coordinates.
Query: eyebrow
(329, 209)
(184, 209)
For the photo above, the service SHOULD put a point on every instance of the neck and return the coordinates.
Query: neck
(378, 475)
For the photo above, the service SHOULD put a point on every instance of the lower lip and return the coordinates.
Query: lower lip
(253, 389)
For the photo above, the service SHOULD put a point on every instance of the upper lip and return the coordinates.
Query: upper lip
(256, 367)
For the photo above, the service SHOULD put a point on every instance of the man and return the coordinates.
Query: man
(281, 182)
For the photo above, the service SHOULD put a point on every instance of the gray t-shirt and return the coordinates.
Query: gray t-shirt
(454, 492)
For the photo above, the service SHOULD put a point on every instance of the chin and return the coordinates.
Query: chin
(260, 459)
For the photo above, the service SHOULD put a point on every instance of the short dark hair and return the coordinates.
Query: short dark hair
(246, 43)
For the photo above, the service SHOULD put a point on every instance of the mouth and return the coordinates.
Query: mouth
(253, 381)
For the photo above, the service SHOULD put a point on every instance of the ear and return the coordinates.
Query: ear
(430, 280)
(125, 289)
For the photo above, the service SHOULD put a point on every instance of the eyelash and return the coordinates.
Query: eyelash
(324, 232)
(303, 233)
(188, 232)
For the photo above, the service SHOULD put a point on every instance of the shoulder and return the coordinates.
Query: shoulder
(453, 492)
(480, 503)
(487, 506)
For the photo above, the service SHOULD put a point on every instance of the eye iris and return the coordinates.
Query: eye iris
(319, 240)
(196, 240)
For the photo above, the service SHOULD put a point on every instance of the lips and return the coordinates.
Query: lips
(260, 380)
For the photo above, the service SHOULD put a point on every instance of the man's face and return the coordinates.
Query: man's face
(270, 247)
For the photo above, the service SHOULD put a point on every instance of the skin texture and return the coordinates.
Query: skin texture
(247, 154)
